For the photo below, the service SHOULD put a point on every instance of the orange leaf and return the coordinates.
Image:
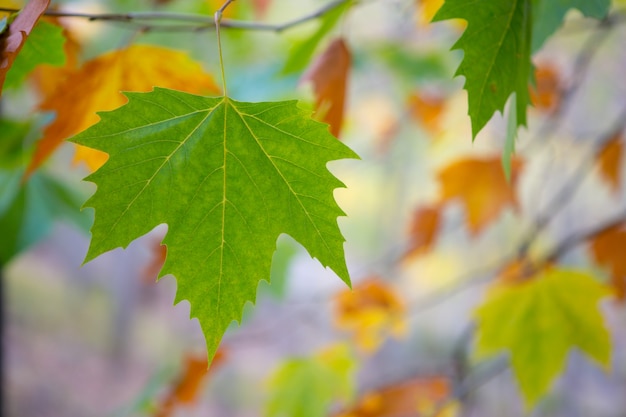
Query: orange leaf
(329, 76)
(96, 87)
(546, 95)
(607, 248)
(427, 109)
(424, 230)
(12, 41)
(415, 397)
(371, 312)
(610, 158)
(187, 386)
(481, 186)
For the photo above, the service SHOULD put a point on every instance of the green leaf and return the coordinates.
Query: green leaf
(496, 62)
(227, 178)
(548, 15)
(511, 135)
(538, 321)
(300, 55)
(43, 46)
(307, 387)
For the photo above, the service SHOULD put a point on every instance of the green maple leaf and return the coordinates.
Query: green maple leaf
(496, 47)
(548, 15)
(538, 321)
(227, 178)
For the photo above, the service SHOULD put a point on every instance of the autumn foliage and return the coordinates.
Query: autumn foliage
(333, 143)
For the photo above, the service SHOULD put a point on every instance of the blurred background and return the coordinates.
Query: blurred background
(104, 338)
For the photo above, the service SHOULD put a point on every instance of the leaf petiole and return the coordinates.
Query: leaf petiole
(218, 20)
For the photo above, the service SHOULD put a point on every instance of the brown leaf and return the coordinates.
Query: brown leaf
(610, 161)
(546, 94)
(607, 248)
(96, 87)
(12, 41)
(187, 386)
(424, 229)
(416, 397)
(427, 110)
(480, 185)
(371, 312)
(329, 76)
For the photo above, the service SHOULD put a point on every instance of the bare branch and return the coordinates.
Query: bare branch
(156, 21)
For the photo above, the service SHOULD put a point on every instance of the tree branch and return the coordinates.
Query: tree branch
(191, 21)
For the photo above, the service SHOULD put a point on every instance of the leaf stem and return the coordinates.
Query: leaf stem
(218, 21)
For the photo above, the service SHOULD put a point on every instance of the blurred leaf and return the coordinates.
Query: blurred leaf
(371, 311)
(28, 211)
(610, 161)
(329, 76)
(241, 175)
(509, 141)
(187, 386)
(607, 248)
(286, 249)
(427, 10)
(260, 7)
(538, 321)
(545, 94)
(48, 77)
(496, 62)
(300, 55)
(19, 30)
(548, 16)
(424, 229)
(307, 387)
(480, 185)
(427, 108)
(43, 46)
(415, 397)
(136, 68)
(414, 66)
(12, 134)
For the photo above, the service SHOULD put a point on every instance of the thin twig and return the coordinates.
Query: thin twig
(563, 196)
(472, 383)
(194, 21)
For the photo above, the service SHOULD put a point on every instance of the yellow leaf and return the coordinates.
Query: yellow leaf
(427, 10)
(538, 321)
(97, 84)
(371, 312)
(481, 186)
